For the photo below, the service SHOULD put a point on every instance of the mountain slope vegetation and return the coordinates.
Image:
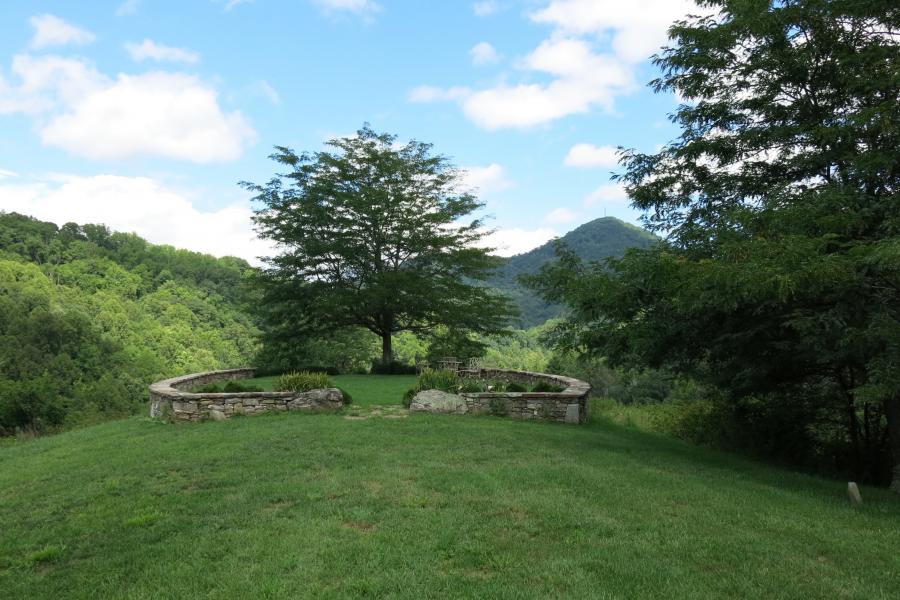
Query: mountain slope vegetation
(89, 317)
(593, 241)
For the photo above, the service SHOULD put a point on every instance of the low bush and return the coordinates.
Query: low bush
(209, 388)
(236, 387)
(512, 386)
(546, 386)
(392, 368)
(408, 396)
(348, 399)
(472, 386)
(302, 381)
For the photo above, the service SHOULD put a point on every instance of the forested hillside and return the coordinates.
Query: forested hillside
(593, 241)
(89, 317)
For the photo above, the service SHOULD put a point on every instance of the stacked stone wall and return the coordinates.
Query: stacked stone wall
(567, 406)
(173, 399)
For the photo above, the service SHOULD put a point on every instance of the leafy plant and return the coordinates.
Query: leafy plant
(471, 386)
(302, 381)
(233, 387)
(437, 379)
(512, 386)
(209, 388)
(546, 386)
(348, 399)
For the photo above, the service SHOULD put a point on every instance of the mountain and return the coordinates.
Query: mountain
(593, 241)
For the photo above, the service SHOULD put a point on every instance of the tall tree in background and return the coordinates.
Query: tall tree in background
(371, 235)
(780, 275)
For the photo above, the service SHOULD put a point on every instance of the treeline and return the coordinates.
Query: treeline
(89, 317)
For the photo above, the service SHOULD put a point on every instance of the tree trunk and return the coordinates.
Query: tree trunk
(387, 354)
(892, 412)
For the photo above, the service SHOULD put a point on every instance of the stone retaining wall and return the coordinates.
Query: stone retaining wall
(568, 406)
(169, 398)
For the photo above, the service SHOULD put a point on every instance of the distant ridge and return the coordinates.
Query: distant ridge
(595, 240)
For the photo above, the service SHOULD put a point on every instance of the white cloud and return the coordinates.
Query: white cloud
(141, 205)
(561, 215)
(486, 180)
(483, 53)
(428, 93)
(268, 91)
(581, 79)
(148, 49)
(53, 31)
(485, 8)
(5, 173)
(229, 4)
(588, 156)
(129, 7)
(606, 194)
(509, 242)
(567, 74)
(637, 28)
(358, 7)
(157, 113)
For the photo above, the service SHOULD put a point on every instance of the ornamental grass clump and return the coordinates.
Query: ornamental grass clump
(437, 379)
(302, 381)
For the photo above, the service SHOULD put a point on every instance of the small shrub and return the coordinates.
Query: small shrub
(302, 381)
(392, 368)
(348, 399)
(498, 386)
(498, 407)
(546, 386)
(431, 379)
(512, 386)
(408, 395)
(235, 387)
(471, 386)
(209, 388)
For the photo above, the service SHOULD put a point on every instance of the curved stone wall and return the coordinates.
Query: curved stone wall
(568, 406)
(169, 398)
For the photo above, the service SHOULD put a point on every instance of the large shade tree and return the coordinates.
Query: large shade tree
(373, 234)
(780, 274)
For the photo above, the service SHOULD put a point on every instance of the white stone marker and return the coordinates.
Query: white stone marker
(853, 492)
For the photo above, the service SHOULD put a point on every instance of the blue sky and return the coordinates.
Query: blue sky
(145, 113)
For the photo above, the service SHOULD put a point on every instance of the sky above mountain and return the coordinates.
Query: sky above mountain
(144, 114)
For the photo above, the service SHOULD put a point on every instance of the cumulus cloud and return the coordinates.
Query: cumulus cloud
(483, 53)
(567, 73)
(50, 30)
(485, 8)
(141, 205)
(486, 180)
(561, 215)
(637, 28)
(610, 193)
(590, 156)
(157, 113)
(512, 241)
(148, 49)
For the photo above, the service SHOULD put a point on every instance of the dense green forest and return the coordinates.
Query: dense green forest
(593, 241)
(88, 317)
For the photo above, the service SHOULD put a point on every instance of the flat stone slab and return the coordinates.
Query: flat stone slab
(436, 401)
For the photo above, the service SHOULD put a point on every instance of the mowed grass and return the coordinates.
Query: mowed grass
(366, 390)
(429, 506)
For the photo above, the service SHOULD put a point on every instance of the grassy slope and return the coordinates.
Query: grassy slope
(431, 506)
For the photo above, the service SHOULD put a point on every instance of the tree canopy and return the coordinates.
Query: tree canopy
(373, 234)
(780, 274)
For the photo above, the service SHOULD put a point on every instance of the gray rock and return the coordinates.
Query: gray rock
(217, 415)
(853, 493)
(572, 413)
(436, 401)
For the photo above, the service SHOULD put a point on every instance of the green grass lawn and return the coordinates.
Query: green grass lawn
(366, 390)
(429, 506)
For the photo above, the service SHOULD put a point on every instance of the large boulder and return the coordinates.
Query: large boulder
(436, 401)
